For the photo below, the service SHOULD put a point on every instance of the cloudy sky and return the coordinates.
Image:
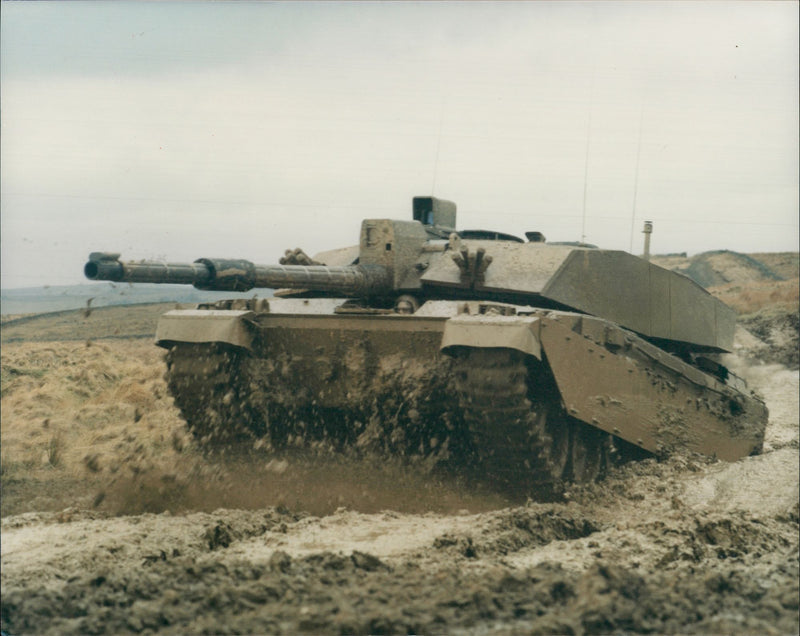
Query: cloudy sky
(186, 130)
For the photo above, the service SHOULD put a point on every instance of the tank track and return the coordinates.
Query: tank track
(508, 403)
(210, 385)
(521, 434)
(228, 396)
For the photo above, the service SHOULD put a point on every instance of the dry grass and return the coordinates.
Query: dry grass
(785, 264)
(749, 298)
(85, 417)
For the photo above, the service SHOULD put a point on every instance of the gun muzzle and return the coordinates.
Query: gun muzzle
(107, 266)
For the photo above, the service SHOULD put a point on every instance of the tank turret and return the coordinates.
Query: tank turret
(397, 258)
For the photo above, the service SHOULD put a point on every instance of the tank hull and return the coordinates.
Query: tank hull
(523, 395)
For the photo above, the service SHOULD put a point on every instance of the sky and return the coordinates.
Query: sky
(175, 131)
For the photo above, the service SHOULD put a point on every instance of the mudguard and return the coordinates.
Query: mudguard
(507, 332)
(205, 326)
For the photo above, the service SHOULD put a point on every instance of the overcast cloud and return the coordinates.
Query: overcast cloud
(184, 130)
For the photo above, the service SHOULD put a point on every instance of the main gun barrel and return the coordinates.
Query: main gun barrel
(241, 275)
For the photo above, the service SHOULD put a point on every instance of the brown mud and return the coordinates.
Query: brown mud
(114, 522)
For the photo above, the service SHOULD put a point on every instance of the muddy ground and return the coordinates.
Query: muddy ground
(114, 522)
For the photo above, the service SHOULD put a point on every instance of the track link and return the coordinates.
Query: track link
(521, 434)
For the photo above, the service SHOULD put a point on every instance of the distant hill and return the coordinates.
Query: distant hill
(122, 321)
(785, 264)
(39, 300)
(722, 267)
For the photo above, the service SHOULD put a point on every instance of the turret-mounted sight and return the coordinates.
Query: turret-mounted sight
(437, 215)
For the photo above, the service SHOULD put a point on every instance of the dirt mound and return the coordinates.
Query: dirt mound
(273, 571)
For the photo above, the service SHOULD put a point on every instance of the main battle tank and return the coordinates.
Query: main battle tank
(528, 362)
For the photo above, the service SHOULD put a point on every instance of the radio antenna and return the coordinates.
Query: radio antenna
(586, 176)
(438, 146)
(586, 161)
(636, 176)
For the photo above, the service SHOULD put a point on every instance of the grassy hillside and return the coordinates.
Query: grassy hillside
(130, 321)
(38, 300)
(721, 267)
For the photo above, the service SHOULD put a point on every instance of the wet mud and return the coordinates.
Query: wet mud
(115, 522)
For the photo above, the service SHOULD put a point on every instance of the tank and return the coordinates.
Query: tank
(529, 363)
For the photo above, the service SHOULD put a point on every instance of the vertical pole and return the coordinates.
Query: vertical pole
(586, 177)
(648, 230)
(586, 160)
(438, 147)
